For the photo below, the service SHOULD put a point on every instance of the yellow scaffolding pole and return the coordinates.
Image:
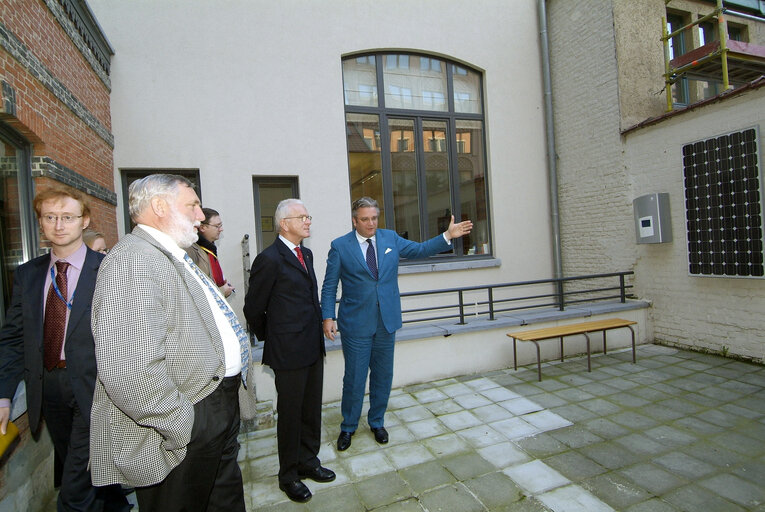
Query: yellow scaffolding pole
(671, 76)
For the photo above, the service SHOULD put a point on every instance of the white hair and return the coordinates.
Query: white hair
(141, 192)
(283, 209)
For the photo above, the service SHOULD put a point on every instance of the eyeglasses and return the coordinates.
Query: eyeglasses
(303, 218)
(66, 219)
(216, 226)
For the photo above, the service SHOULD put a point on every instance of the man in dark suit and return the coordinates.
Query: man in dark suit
(366, 261)
(47, 338)
(282, 308)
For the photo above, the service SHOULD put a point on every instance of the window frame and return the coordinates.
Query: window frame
(450, 116)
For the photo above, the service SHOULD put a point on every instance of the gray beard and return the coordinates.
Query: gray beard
(181, 231)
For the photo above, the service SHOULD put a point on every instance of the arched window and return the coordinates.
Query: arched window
(418, 148)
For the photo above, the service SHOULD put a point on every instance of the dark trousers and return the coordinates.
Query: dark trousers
(362, 355)
(70, 432)
(298, 427)
(208, 478)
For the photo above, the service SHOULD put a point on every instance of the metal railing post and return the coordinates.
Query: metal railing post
(491, 303)
(561, 299)
(462, 308)
(623, 292)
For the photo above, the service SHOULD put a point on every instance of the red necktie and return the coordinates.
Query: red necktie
(55, 318)
(300, 257)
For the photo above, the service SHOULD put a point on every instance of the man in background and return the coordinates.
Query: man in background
(47, 339)
(205, 253)
(282, 308)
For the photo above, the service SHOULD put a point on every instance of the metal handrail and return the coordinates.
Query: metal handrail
(489, 304)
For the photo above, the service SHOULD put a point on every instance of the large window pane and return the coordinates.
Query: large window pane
(414, 82)
(364, 162)
(437, 190)
(467, 90)
(360, 81)
(472, 187)
(406, 209)
(13, 228)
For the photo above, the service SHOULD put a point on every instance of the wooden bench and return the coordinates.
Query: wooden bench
(585, 328)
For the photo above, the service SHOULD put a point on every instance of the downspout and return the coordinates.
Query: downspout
(551, 156)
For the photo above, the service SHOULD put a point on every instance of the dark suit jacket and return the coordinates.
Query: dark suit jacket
(21, 338)
(282, 308)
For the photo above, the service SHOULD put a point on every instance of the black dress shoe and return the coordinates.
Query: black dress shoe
(318, 474)
(344, 441)
(381, 435)
(296, 491)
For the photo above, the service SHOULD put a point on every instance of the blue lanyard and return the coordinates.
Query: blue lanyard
(58, 292)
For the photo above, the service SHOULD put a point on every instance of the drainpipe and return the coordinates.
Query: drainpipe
(551, 157)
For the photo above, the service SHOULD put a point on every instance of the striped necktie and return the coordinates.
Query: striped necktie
(241, 334)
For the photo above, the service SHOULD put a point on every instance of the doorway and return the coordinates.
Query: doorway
(268, 192)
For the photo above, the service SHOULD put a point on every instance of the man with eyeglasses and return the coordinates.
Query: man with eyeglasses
(47, 339)
(282, 308)
(205, 253)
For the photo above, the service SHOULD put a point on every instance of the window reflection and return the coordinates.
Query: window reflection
(424, 78)
(472, 186)
(406, 208)
(360, 81)
(437, 187)
(364, 162)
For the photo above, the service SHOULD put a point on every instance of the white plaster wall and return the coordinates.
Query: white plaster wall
(239, 88)
(700, 312)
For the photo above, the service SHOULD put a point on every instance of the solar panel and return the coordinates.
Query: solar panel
(723, 205)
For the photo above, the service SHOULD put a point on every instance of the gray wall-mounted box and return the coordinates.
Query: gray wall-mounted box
(653, 224)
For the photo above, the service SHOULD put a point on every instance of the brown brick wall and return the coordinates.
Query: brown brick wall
(47, 118)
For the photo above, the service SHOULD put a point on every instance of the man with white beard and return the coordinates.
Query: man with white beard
(171, 356)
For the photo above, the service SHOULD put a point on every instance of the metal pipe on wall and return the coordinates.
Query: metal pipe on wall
(551, 156)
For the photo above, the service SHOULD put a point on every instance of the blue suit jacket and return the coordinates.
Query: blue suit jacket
(361, 292)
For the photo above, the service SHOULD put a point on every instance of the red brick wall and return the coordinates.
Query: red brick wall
(50, 124)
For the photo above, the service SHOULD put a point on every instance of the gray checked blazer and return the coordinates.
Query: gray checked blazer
(158, 353)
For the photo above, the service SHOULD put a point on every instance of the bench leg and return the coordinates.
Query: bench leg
(515, 356)
(539, 360)
(589, 365)
(605, 350)
(634, 360)
(561, 349)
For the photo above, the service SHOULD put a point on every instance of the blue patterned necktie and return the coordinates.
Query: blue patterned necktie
(244, 340)
(371, 258)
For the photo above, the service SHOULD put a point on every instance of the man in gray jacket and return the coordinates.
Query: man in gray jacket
(170, 355)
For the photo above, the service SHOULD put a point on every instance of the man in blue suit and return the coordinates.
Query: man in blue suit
(366, 262)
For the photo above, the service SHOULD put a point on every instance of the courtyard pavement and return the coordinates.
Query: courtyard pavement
(678, 430)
